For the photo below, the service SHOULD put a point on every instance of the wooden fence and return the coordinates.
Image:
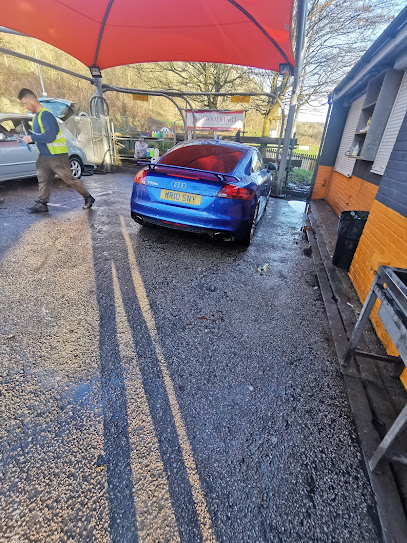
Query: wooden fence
(298, 160)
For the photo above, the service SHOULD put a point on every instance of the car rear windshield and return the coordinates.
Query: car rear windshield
(59, 109)
(215, 158)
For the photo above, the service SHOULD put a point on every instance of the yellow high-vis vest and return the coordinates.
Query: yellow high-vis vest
(58, 146)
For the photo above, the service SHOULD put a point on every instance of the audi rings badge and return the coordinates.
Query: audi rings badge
(178, 185)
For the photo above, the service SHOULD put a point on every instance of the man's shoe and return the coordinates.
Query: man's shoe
(89, 201)
(38, 207)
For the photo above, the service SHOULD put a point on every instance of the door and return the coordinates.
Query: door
(261, 176)
(16, 159)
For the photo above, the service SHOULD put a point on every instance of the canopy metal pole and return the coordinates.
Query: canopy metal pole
(9, 31)
(43, 63)
(193, 117)
(181, 94)
(302, 9)
(107, 156)
(125, 90)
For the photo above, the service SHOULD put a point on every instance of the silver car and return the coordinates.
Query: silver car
(17, 160)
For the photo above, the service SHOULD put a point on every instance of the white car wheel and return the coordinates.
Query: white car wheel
(76, 167)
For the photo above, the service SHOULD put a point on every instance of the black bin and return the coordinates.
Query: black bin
(350, 228)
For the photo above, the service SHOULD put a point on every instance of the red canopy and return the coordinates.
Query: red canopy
(116, 32)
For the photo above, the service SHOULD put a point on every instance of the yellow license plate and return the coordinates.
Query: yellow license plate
(180, 197)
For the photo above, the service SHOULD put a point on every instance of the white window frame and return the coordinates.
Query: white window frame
(392, 129)
(344, 163)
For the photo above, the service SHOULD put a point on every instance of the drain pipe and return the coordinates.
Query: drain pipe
(302, 10)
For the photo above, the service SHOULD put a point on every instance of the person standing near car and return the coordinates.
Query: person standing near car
(53, 153)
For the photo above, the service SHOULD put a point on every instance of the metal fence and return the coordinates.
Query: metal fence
(124, 146)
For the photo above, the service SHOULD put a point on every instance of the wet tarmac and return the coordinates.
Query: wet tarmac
(158, 386)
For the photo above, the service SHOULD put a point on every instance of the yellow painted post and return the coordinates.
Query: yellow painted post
(140, 97)
(240, 99)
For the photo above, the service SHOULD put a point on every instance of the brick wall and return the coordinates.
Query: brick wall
(384, 238)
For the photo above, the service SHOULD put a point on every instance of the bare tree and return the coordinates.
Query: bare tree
(338, 33)
(270, 82)
(196, 77)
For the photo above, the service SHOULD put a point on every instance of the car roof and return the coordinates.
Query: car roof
(15, 116)
(221, 143)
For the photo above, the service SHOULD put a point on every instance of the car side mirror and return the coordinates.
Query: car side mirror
(272, 167)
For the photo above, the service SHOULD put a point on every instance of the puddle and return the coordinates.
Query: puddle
(298, 205)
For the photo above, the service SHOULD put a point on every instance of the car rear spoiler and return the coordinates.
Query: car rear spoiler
(221, 176)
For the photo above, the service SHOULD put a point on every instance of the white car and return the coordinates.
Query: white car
(17, 160)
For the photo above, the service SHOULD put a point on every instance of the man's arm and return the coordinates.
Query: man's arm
(51, 129)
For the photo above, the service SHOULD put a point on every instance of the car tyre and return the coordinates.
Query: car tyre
(247, 237)
(76, 166)
(268, 197)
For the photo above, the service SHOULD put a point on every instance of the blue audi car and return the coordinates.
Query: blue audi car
(216, 187)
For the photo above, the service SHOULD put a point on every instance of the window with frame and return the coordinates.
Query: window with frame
(392, 129)
(257, 162)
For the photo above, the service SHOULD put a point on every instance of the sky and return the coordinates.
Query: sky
(318, 114)
(313, 115)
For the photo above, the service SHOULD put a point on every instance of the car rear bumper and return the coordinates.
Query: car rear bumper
(228, 216)
(230, 228)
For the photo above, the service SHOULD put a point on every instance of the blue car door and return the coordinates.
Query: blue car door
(261, 177)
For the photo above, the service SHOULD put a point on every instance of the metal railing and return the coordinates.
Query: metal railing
(124, 146)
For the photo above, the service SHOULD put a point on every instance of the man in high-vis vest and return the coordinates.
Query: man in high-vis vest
(53, 153)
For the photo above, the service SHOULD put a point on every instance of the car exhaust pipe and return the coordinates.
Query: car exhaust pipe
(137, 218)
(222, 236)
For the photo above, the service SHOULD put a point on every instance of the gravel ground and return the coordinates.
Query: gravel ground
(159, 386)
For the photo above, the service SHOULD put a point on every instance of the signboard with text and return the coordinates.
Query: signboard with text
(214, 119)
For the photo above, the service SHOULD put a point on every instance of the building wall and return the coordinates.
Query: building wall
(383, 242)
(352, 193)
(337, 121)
(343, 193)
(321, 182)
(384, 238)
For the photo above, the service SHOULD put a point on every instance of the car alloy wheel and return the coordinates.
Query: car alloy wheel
(268, 197)
(253, 225)
(76, 167)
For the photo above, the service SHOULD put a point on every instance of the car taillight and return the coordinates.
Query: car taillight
(183, 176)
(141, 177)
(232, 191)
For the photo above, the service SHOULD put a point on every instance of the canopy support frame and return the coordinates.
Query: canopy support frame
(180, 94)
(167, 94)
(43, 63)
